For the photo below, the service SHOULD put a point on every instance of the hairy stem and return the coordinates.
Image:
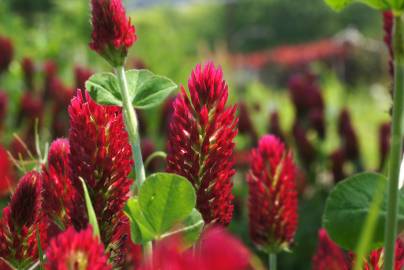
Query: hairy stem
(131, 123)
(396, 146)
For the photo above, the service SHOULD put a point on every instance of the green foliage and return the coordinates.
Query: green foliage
(92, 218)
(104, 89)
(341, 4)
(348, 206)
(146, 90)
(164, 207)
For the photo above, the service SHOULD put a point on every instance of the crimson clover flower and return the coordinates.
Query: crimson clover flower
(72, 250)
(20, 221)
(384, 143)
(6, 175)
(328, 255)
(200, 146)
(388, 22)
(3, 107)
(272, 197)
(81, 75)
(101, 155)
(28, 69)
(217, 250)
(57, 187)
(348, 136)
(6, 53)
(113, 33)
(376, 260)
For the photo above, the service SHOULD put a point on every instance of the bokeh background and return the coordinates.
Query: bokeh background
(316, 78)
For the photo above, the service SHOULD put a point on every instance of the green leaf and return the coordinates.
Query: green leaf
(341, 4)
(146, 89)
(348, 206)
(40, 250)
(166, 199)
(104, 89)
(190, 229)
(92, 218)
(141, 230)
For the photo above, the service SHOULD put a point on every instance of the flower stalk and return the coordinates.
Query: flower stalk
(272, 261)
(396, 144)
(131, 123)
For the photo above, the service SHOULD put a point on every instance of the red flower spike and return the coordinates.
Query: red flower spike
(305, 93)
(57, 187)
(245, 124)
(28, 69)
(81, 75)
(337, 159)
(100, 153)
(328, 255)
(217, 250)
(127, 255)
(6, 175)
(384, 143)
(18, 226)
(388, 22)
(6, 55)
(50, 70)
(3, 107)
(200, 146)
(306, 150)
(113, 33)
(376, 261)
(348, 136)
(76, 250)
(272, 195)
(220, 250)
(275, 126)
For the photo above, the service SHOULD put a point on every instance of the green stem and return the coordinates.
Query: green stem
(131, 123)
(148, 252)
(396, 146)
(154, 155)
(272, 261)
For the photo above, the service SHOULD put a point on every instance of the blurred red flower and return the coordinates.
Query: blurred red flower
(6, 173)
(6, 53)
(28, 69)
(328, 255)
(76, 250)
(217, 250)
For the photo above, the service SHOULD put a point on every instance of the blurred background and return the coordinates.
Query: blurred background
(320, 80)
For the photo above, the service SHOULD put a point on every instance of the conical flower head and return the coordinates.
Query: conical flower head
(113, 32)
(388, 22)
(272, 195)
(328, 255)
(19, 222)
(6, 175)
(200, 146)
(217, 249)
(72, 250)
(348, 136)
(101, 155)
(28, 69)
(57, 187)
(376, 258)
(6, 53)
